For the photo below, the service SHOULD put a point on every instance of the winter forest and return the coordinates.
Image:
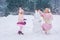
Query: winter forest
(7, 6)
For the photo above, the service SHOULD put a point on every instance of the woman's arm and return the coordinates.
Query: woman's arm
(40, 11)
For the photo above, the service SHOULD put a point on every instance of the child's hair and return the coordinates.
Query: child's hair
(47, 10)
(21, 10)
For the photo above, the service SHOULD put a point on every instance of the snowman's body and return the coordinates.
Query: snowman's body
(37, 22)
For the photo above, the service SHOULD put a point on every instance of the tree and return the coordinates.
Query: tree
(14, 4)
(42, 4)
(29, 4)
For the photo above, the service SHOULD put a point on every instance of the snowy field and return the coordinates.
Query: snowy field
(9, 29)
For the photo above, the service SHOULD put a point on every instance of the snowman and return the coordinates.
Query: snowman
(37, 22)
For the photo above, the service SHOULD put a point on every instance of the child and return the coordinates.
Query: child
(21, 21)
(47, 17)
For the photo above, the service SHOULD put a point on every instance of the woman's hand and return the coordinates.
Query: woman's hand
(40, 11)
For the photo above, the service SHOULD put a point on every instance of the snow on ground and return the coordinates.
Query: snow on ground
(9, 28)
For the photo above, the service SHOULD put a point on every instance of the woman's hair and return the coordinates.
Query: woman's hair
(47, 10)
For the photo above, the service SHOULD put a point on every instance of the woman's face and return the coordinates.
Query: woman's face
(47, 10)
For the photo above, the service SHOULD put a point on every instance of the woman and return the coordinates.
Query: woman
(47, 17)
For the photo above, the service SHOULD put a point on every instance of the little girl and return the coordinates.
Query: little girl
(21, 21)
(47, 17)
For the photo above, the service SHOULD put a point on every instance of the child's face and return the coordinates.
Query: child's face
(20, 8)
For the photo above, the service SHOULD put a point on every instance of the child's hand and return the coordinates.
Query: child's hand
(25, 19)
